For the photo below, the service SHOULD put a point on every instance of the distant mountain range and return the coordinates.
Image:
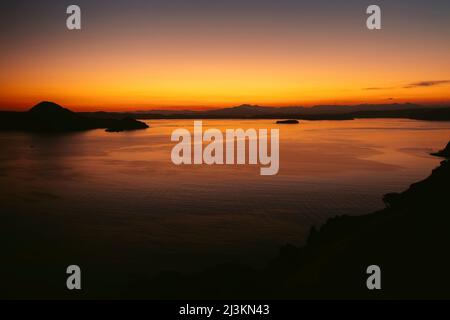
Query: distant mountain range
(320, 112)
(320, 109)
(248, 109)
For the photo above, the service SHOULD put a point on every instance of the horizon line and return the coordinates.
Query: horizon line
(89, 109)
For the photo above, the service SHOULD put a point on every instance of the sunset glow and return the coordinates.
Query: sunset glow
(293, 53)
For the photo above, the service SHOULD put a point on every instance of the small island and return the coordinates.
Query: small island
(289, 121)
(49, 117)
(126, 124)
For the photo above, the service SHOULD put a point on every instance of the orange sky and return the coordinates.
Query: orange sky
(201, 64)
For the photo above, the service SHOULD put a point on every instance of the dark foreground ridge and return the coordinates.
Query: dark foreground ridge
(51, 117)
(445, 153)
(408, 240)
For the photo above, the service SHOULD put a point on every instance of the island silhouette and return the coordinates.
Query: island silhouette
(289, 121)
(52, 118)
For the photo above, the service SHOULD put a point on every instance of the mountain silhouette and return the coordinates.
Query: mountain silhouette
(49, 108)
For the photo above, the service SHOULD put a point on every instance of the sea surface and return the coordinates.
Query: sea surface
(117, 198)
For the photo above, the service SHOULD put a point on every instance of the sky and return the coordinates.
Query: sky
(197, 54)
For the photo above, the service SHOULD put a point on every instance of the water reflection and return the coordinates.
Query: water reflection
(120, 192)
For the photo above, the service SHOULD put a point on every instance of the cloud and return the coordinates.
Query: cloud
(420, 84)
(426, 84)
